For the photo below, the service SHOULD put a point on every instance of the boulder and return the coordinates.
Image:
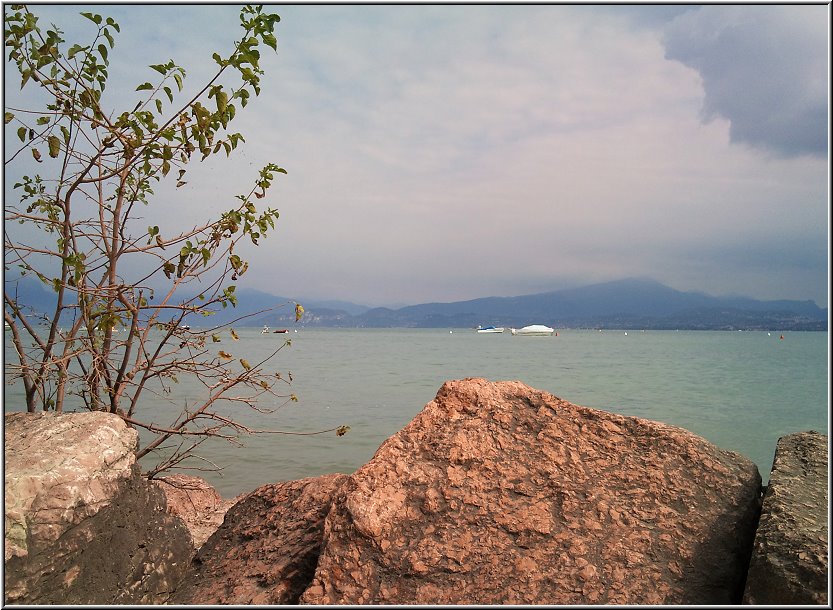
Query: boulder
(81, 524)
(267, 548)
(197, 503)
(789, 564)
(497, 493)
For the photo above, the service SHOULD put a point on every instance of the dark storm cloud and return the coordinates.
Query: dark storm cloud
(764, 68)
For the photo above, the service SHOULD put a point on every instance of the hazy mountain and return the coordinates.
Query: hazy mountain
(261, 308)
(32, 295)
(253, 304)
(629, 303)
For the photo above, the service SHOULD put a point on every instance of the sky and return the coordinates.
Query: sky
(450, 152)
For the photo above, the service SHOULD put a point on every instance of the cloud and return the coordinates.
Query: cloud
(764, 68)
(452, 152)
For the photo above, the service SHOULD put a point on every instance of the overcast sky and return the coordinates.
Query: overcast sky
(442, 153)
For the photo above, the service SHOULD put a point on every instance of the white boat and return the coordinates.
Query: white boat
(265, 330)
(535, 330)
(490, 329)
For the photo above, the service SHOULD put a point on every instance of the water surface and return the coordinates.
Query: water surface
(739, 390)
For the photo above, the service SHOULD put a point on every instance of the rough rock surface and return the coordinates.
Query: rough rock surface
(82, 526)
(789, 563)
(266, 550)
(497, 493)
(197, 503)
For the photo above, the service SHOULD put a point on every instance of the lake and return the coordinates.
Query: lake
(739, 390)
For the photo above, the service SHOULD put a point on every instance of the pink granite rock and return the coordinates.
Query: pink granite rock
(497, 493)
(197, 503)
(267, 548)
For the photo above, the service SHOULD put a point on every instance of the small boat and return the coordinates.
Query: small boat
(535, 330)
(282, 330)
(265, 330)
(490, 329)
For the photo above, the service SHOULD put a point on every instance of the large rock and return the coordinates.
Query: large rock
(197, 503)
(267, 548)
(497, 493)
(82, 526)
(790, 557)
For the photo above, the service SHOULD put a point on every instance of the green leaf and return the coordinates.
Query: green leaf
(109, 37)
(102, 50)
(54, 146)
(178, 79)
(96, 19)
(8, 116)
(161, 68)
(42, 120)
(74, 50)
(144, 87)
(21, 133)
(222, 100)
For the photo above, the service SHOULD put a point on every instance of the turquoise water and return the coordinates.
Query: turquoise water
(739, 390)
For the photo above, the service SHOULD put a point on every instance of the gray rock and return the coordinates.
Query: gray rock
(789, 564)
(81, 525)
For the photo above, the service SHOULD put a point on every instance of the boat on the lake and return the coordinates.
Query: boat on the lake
(534, 330)
(490, 329)
(265, 330)
(281, 330)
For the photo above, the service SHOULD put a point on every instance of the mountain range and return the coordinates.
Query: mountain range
(628, 303)
(621, 304)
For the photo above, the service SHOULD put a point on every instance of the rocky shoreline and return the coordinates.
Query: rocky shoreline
(496, 493)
